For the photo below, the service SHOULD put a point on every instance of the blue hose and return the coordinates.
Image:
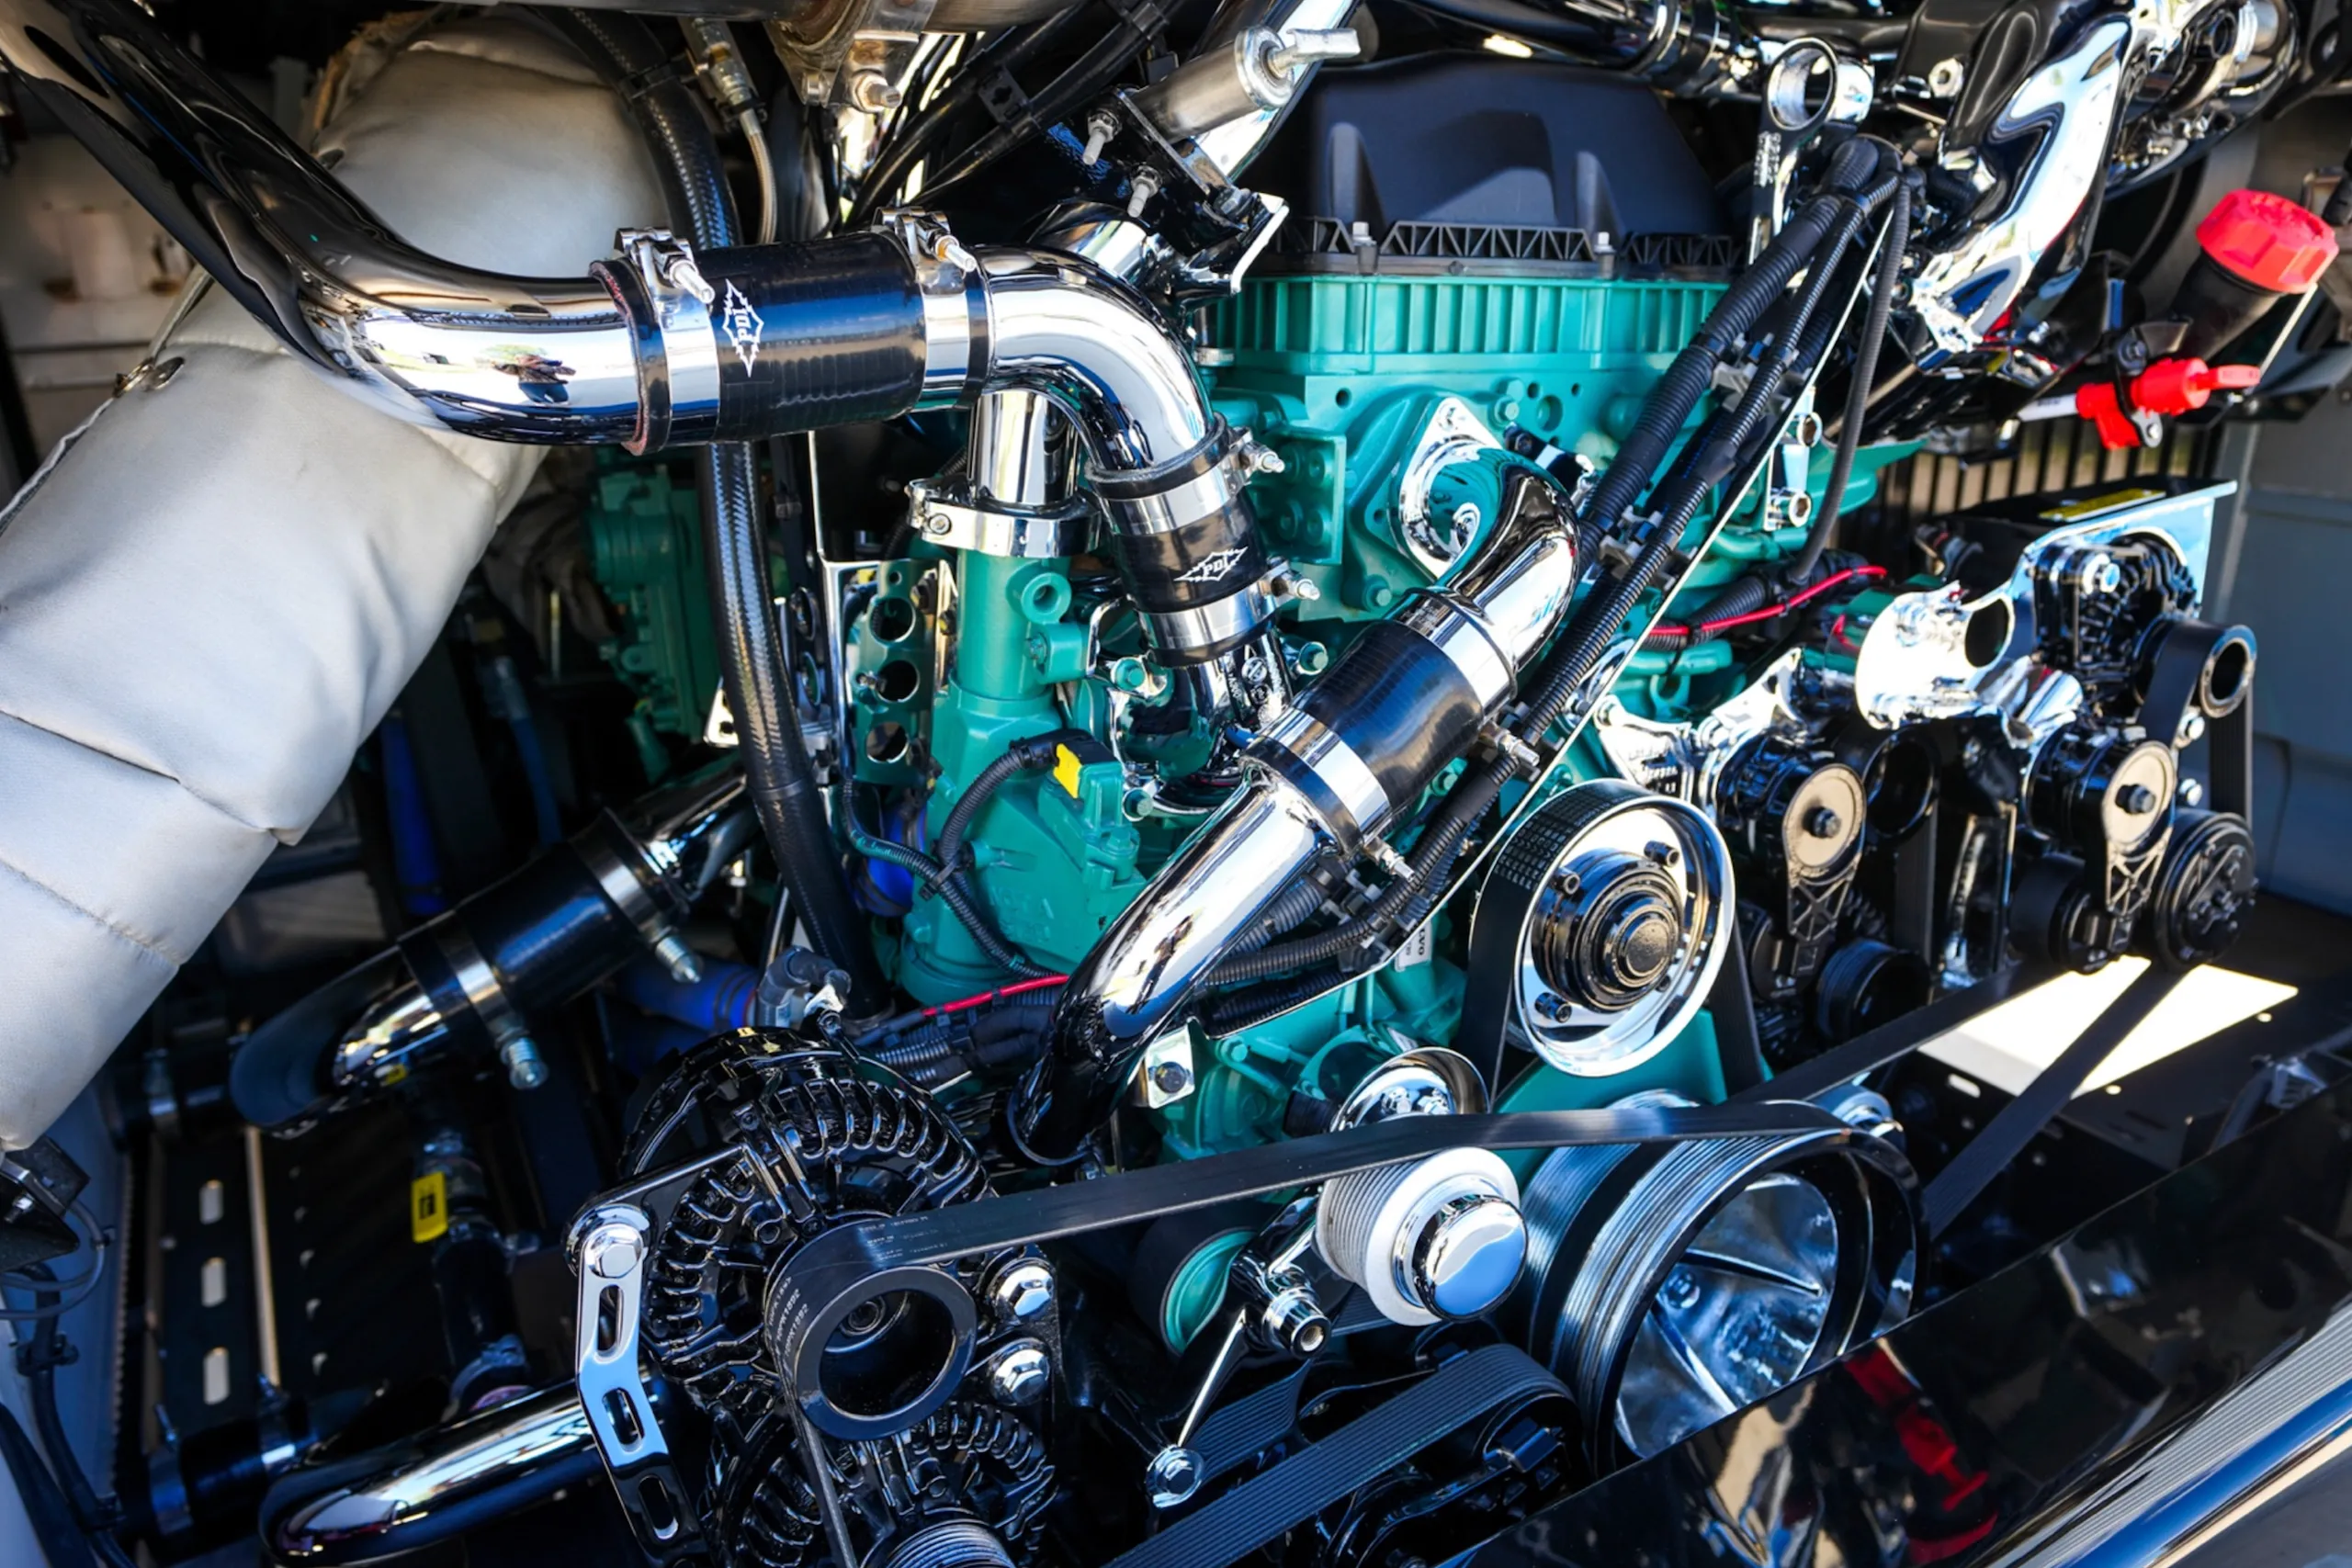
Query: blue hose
(721, 1000)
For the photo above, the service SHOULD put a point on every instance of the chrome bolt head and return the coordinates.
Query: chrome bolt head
(1171, 1078)
(1022, 1290)
(526, 1068)
(1945, 76)
(1020, 1372)
(1172, 1476)
(612, 1251)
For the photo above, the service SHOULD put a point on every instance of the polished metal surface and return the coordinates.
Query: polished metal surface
(1452, 434)
(1324, 752)
(1255, 74)
(1467, 1255)
(2043, 154)
(610, 1246)
(1218, 623)
(1441, 1237)
(1057, 326)
(1737, 1317)
(1721, 1273)
(2166, 1371)
(430, 1488)
(1011, 448)
(1138, 975)
(1915, 661)
(522, 359)
(1644, 887)
(1231, 145)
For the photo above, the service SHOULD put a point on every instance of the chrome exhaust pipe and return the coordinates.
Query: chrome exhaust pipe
(1410, 695)
(431, 1487)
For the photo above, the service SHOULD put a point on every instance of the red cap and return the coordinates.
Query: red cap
(2268, 241)
(2169, 386)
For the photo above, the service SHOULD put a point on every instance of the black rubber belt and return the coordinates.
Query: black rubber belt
(2012, 1128)
(1242, 1430)
(1325, 1472)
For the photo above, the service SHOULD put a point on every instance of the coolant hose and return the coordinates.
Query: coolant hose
(783, 785)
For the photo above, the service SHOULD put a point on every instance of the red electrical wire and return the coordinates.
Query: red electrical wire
(1770, 611)
(1019, 988)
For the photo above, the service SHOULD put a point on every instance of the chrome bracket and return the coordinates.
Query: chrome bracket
(610, 1246)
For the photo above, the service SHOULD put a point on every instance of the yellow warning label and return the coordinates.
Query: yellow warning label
(2092, 506)
(428, 1206)
(1065, 766)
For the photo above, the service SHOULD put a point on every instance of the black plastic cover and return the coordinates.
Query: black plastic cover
(1484, 141)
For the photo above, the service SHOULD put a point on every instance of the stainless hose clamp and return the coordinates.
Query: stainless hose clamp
(955, 297)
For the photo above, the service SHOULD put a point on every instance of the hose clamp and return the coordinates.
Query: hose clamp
(953, 291)
(667, 302)
(1333, 777)
(626, 888)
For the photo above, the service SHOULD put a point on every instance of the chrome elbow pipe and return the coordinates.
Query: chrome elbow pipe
(431, 1487)
(1352, 756)
(661, 345)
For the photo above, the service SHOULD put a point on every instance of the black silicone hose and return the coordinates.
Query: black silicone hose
(782, 786)
(1857, 396)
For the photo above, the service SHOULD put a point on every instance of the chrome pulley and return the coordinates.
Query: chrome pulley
(1602, 927)
(1671, 1286)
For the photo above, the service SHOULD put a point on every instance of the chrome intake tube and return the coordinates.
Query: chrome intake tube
(431, 1487)
(1351, 757)
(661, 346)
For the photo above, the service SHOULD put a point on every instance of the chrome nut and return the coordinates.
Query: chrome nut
(1024, 1291)
(1020, 1372)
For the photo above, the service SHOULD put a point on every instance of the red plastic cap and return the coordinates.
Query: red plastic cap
(2268, 241)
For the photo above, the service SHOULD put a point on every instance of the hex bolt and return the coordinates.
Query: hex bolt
(1945, 76)
(1824, 823)
(1020, 1372)
(1171, 1078)
(526, 1068)
(1144, 186)
(2135, 799)
(1022, 1290)
(1102, 125)
(612, 1251)
(1664, 853)
(1172, 1476)
(873, 92)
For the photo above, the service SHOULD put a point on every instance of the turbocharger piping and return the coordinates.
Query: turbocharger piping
(662, 346)
(1353, 756)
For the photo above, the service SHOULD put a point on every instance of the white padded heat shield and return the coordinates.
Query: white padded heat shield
(211, 597)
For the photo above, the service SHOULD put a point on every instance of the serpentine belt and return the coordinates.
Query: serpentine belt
(1331, 1468)
(1241, 1430)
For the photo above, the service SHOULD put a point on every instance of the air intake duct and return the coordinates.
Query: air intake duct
(1355, 753)
(471, 981)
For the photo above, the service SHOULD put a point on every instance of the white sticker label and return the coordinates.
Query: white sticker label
(1416, 949)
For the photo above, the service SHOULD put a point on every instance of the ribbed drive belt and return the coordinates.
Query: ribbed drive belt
(1241, 1430)
(1333, 1467)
